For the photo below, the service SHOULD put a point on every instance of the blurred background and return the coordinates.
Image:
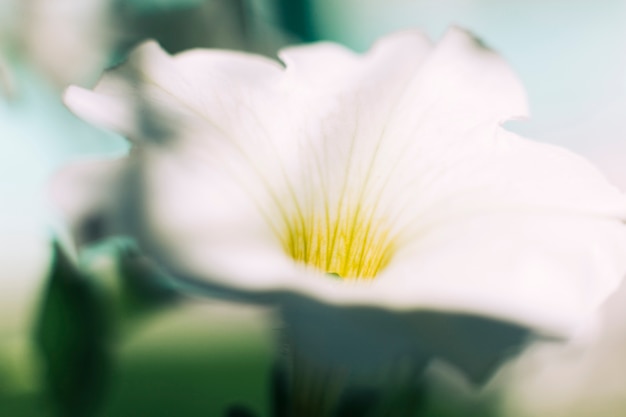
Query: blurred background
(109, 339)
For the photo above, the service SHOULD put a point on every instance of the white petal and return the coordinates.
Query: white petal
(485, 222)
(465, 84)
(547, 271)
(491, 171)
(420, 140)
(328, 66)
(101, 110)
(234, 152)
(581, 378)
(153, 84)
(543, 271)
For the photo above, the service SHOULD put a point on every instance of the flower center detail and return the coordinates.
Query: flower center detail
(351, 245)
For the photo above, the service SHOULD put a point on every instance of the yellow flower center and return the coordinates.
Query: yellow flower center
(350, 245)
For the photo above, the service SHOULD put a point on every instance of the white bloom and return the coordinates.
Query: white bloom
(574, 379)
(389, 169)
(67, 40)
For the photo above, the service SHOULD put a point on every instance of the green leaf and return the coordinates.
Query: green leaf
(74, 335)
(296, 16)
(239, 411)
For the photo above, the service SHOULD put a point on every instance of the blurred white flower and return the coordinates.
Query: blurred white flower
(574, 380)
(375, 198)
(68, 41)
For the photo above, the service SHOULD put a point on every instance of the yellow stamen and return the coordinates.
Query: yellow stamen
(351, 245)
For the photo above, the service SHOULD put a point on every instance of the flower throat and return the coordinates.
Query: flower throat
(351, 245)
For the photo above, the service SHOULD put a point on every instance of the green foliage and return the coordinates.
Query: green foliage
(74, 335)
(297, 18)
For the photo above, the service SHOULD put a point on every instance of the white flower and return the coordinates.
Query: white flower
(68, 41)
(573, 379)
(389, 169)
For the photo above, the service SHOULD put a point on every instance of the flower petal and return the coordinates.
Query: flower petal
(326, 67)
(229, 139)
(417, 142)
(192, 85)
(231, 148)
(542, 270)
(464, 84)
